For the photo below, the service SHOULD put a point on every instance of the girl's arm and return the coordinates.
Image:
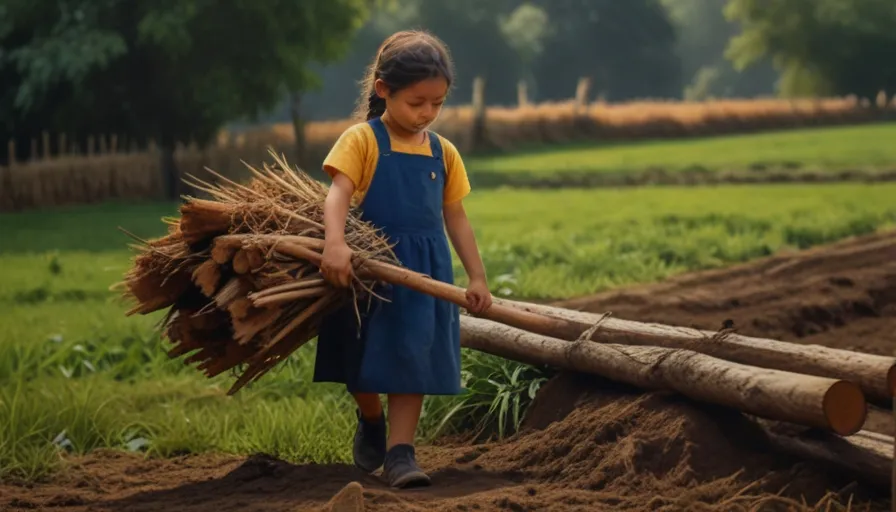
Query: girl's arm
(461, 234)
(464, 241)
(336, 264)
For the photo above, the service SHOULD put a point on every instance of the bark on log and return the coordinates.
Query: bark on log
(876, 375)
(830, 404)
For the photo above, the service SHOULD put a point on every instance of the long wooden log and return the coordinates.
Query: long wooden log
(834, 405)
(876, 375)
(863, 454)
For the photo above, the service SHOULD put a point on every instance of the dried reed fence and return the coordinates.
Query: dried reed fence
(68, 180)
(48, 181)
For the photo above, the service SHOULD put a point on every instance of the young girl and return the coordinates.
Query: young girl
(410, 183)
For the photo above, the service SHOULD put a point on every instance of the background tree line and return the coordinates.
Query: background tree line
(178, 70)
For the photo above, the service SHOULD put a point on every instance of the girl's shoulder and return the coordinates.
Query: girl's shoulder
(448, 147)
(359, 133)
(358, 141)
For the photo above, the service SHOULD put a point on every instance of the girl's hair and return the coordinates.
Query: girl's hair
(402, 60)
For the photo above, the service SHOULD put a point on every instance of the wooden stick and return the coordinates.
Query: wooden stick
(838, 405)
(298, 284)
(876, 375)
(284, 297)
(831, 404)
(539, 324)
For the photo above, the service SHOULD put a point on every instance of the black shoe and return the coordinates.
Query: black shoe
(401, 468)
(369, 449)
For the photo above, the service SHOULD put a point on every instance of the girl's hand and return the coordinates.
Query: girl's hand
(478, 296)
(336, 265)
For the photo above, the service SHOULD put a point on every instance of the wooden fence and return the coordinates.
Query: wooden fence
(115, 171)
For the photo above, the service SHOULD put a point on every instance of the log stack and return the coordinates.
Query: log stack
(238, 276)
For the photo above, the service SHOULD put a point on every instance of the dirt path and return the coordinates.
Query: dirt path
(588, 444)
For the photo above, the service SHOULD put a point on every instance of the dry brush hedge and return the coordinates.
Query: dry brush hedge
(128, 176)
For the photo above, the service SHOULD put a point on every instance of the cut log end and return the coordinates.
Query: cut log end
(845, 407)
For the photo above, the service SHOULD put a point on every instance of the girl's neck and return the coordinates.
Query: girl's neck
(400, 133)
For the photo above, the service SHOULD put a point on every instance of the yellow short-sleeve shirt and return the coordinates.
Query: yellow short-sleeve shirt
(355, 154)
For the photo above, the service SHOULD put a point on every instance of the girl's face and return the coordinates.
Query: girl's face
(415, 107)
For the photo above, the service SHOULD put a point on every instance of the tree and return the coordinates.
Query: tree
(627, 49)
(471, 29)
(703, 33)
(526, 29)
(167, 70)
(821, 47)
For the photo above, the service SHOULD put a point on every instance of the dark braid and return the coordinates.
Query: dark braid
(403, 59)
(376, 106)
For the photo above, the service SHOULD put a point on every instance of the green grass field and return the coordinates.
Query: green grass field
(825, 149)
(77, 374)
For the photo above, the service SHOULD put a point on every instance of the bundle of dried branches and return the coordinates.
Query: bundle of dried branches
(234, 300)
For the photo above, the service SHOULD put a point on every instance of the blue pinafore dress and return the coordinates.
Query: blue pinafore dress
(410, 344)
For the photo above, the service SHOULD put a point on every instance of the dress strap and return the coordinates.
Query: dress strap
(435, 145)
(382, 136)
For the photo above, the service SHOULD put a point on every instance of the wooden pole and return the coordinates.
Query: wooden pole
(583, 89)
(863, 454)
(522, 93)
(875, 374)
(831, 404)
(477, 130)
(835, 404)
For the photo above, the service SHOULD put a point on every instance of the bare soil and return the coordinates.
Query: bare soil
(588, 444)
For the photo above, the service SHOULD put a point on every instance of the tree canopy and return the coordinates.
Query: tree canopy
(821, 47)
(626, 48)
(171, 70)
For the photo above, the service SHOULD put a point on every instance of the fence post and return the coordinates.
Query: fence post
(522, 93)
(583, 88)
(90, 146)
(477, 135)
(61, 150)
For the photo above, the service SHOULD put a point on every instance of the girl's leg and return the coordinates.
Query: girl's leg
(369, 447)
(401, 468)
(370, 405)
(404, 413)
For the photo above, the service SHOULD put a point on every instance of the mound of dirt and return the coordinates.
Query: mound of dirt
(654, 450)
(588, 444)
